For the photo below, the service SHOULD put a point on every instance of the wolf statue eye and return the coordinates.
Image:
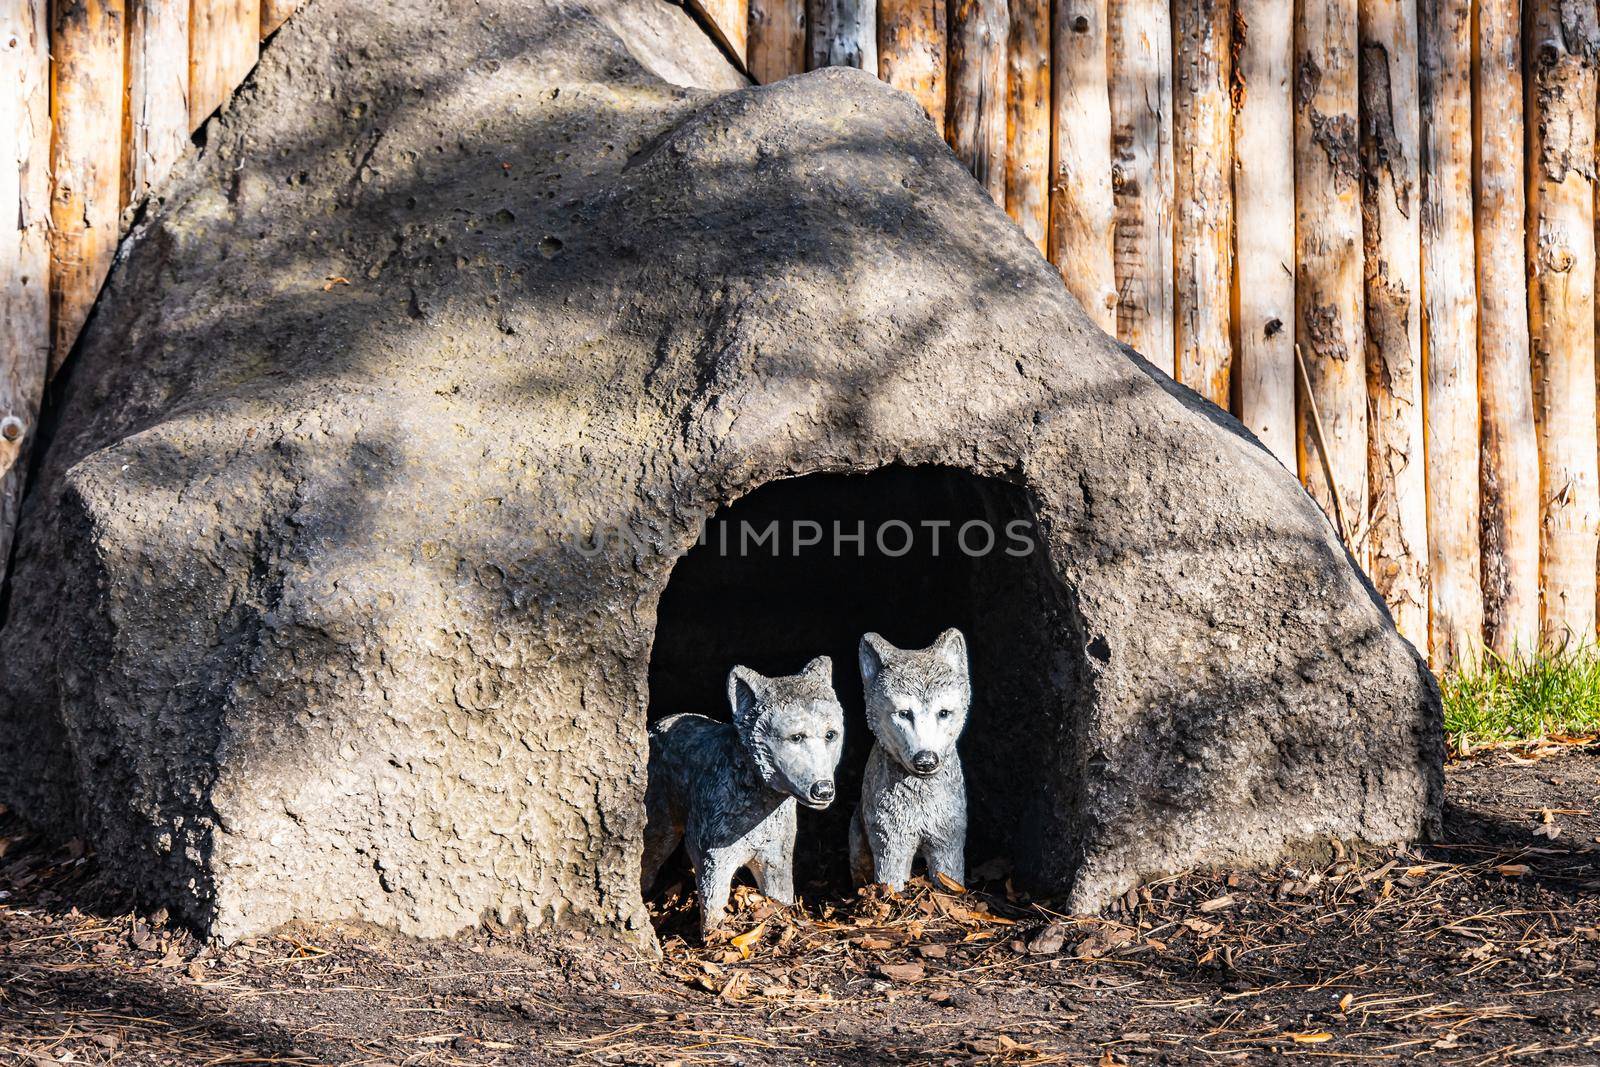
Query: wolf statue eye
(944, 713)
(831, 735)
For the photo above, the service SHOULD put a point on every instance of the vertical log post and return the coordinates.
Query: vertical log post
(86, 44)
(1141, 175)
(24, 246)
(728, 21)
(975, 120)
(1028, 120)
(1328, 284)
(1563, 40)
(1392, 232)
(1450, 332)
(274, 13)
(1510, 452)
(843, 33)
(157, 122)
(224, 40)
(1082, 214)
(911, 51)
(1203, 164)
(776, 44)
(1264, 210)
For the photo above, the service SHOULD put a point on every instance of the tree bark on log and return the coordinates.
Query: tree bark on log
(1450, 332)
(843, 33)
(1264, 213)
(1141, 147)
(729, 23)
(1391, 162)
(87, 46)
(1328, 286)
(156, 126)
(1509, 493)
(911, 51)
(1564, 40)
(274, 13)
(224, 40)
(1028, 120)
(975, 122)
(1203, 162)
(1082, 211)
(776, 42)
(24, 247)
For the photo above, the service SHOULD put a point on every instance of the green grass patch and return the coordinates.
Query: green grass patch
(1500, 701)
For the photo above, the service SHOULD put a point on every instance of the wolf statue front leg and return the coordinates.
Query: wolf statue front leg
(947, 858)
(713, 875)
(861, 868)
(775, 878)
(772, 861)
(891, 859)
(944, 835)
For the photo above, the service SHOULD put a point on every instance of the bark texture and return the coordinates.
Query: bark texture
(274, 13)
(776, 42)
(975, 121)
(224, 41)
(1451, 332)
(912, 52)
(1264, 211)
(1203, 162)
(1328, 284)
(1028, 120)
(1561, 260)
(301, 630)
(156, 130)
(1510, 494)
(1082, 212)
(728, 22)
(24, 248)
(1141, 175)
(86, 76)
(1397, 540)
(843, 33)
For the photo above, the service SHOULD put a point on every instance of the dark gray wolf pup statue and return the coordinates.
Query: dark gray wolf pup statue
(728, 791)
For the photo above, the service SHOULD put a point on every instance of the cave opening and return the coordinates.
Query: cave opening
(804, 566)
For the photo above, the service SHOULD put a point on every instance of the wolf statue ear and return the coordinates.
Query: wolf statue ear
(873, 652)
(746, 689)
(820, 668)
(952, 648)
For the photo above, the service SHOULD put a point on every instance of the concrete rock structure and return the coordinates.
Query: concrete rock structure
(296, 628)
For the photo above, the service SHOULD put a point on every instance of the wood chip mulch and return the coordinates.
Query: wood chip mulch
(1482, 948)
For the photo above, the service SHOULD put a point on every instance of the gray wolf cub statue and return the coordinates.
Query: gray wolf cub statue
(729, 791)
(913, 796)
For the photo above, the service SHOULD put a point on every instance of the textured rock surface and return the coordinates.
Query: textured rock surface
(289, 633)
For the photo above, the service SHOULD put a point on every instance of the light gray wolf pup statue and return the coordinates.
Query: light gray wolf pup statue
(728, 791)
(913, 796)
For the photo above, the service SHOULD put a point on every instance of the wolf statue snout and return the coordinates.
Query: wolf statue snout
(728, 790)
(913, 796)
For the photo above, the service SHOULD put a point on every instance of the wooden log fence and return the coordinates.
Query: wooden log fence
(99, 99)
(1366, 227)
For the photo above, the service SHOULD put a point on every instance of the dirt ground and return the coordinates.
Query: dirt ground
(1482, 948)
